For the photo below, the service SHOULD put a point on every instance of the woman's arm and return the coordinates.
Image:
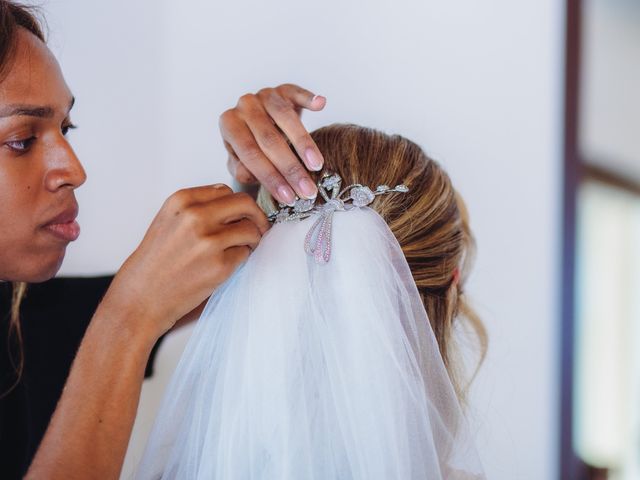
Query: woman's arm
(195, 242)
(89, 431)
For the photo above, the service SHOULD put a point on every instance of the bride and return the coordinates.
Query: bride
(331, 353)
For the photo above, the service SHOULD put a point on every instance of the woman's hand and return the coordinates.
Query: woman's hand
(257, 133)
(194, 244)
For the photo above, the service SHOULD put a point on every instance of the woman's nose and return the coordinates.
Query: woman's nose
(65, 169)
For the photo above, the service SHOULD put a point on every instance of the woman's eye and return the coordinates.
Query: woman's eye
(67, 127)
(21, 145)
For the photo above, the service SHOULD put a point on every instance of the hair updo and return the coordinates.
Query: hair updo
(430, 222)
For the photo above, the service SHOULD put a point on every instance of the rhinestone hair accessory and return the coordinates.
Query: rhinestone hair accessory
(317, 242)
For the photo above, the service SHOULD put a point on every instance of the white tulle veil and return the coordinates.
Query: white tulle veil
(300, 370)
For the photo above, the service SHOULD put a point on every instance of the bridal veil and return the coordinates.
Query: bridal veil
(300, 370)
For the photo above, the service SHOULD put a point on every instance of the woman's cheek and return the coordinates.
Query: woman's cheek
(22, 256)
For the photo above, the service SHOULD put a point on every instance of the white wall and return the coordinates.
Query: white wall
(478, 84)
(111, 54)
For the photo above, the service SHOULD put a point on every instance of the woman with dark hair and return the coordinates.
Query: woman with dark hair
(196, 241)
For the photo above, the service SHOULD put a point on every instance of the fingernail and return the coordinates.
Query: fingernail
(308, 188)
(218, 185)
(315, 97)
(286, 195)
(313, 160)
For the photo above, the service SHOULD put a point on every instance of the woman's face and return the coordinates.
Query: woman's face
(38, 168)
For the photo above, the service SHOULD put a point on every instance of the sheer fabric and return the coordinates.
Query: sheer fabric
(297, 370)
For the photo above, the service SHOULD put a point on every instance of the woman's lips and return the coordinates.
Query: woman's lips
(64, 225)
(68, 231)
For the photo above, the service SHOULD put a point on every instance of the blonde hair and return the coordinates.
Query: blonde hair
(430, 222)
(19, 290)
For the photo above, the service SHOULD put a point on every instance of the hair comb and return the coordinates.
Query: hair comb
(318, 241)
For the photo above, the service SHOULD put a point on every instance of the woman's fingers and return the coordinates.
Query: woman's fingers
(301, 98)
(213, 216)
(258, 133)
(244, 175)
(242, 233)
(237, 169)
(274, 144)
(281, 109)
(187, 197)
(234, 256)
(237, 134)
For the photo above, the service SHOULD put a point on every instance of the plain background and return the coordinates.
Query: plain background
(477, 84)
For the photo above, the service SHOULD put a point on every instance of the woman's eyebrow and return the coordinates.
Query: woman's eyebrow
(30, 110)
(26, 111)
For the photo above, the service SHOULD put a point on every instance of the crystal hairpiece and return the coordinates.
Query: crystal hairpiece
(317, 243)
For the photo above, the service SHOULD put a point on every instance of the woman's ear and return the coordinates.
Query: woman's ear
(455, 278)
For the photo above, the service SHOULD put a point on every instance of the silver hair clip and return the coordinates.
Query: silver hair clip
(318, 241)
